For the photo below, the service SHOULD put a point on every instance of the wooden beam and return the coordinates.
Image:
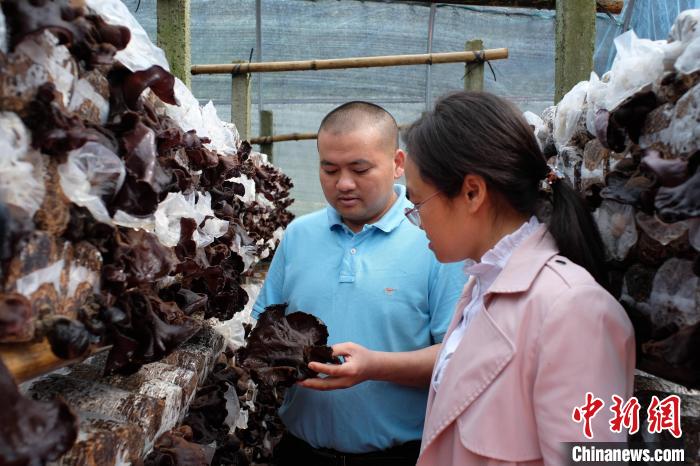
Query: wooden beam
(474, 71)
(241, 103)
(355, 62)
(575, 43)
(602, 6)
(174, 36)
(28, 360)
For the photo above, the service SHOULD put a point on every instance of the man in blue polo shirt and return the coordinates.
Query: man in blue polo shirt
(366, 271)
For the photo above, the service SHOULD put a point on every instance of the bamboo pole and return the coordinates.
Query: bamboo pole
(282, 137)
(292, 137)
(355, 62)
(28, 360)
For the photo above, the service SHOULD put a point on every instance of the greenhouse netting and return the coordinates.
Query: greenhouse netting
(270, 30)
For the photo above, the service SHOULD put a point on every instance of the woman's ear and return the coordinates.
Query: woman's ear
(474, 192)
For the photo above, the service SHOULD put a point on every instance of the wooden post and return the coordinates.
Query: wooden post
(575, 42)
(174, 36)
(474, 71)
(266, 125)
(241, 103)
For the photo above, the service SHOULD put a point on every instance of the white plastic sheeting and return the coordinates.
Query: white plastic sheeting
(639, 62)
(91, 173)
(52, 62)
(195, 205)
(568, 114)
(140, 53)
(3, 33)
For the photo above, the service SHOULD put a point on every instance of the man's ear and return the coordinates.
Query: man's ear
(399, 162)
(473, 192)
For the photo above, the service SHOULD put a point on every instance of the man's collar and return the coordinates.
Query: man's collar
(390, 220)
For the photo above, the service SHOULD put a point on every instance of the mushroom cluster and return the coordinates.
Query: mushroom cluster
(127, 212)
(235, 409)
(630, 143)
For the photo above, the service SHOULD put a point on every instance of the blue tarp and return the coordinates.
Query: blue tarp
(651, 19)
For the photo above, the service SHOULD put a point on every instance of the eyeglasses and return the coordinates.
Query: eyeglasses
(413, 214)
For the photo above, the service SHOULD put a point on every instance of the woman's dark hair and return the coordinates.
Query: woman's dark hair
(479, 133)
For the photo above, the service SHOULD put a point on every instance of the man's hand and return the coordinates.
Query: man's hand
(360, 365)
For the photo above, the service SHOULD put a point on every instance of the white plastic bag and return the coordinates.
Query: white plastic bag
(638, 62)
(617, 228)
(232, 329)
(689, 61)
(538, 128)
(52, 62)
(14, 139)
(90, 173)
(223, 138)
(597, 93)
(694, 232)
(188, 114)
(686, 27)
(167, 218)
(204, 120)
(140, 53)
(196, 206)
(244, 247)
(28, 284)
(683, 49)
(568, 114)
(3, 33)
(21, 170)
(84, 92)
(249, 187)
(123, 219)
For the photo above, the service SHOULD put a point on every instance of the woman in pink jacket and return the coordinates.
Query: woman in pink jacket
(535, 330)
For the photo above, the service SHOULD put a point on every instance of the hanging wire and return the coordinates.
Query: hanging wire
(428, 72)
(478, 60)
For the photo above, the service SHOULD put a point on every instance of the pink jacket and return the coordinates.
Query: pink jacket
(547, 335)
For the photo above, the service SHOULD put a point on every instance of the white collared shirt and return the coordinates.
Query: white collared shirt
(484, 273)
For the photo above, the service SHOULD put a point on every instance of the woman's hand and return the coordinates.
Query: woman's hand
(360, 365)
(411, 368)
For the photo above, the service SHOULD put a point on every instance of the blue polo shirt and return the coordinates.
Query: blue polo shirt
(381, 288)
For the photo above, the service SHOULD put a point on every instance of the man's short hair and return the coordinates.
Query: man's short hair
(356, 114)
